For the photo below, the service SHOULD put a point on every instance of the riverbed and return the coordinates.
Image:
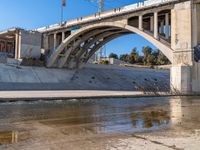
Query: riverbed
(98, 124)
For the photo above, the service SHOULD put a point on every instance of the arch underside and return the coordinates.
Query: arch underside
(76, 49)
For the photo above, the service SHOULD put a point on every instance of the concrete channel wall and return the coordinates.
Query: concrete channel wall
(92, 77)
(32, 78)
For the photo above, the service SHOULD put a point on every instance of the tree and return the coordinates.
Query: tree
(124, 57)
(151, 57)
(140, 60)
(133, 56)
(113, 55)
(104, 62)
(162, 59)
(154, 60)
(147, 54)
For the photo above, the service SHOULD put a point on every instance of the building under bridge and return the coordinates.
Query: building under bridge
(17, 43)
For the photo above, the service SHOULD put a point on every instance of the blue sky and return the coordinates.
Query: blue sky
(32, 14)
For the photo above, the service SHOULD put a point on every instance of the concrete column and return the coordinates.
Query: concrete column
(140, 22)
(17, 44)
(45, 42)
(181, 43)
(180, 79)
(198, 22)
(63, 36)
(151, 23)
(167, 26)
(162, 27)
(156, 25)
(196, 40)
(54, 41)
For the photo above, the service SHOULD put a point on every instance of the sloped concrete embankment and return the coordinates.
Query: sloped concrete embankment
(92, 77)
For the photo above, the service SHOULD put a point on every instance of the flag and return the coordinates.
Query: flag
(63, 3)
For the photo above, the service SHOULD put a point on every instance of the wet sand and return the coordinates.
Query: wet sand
(102, 124)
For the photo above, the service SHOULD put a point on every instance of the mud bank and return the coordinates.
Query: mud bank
(92, 77)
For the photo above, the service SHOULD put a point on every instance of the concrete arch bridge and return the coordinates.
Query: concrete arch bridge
(173, 26)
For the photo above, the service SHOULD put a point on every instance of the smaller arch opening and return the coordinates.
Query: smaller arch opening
(133, 21)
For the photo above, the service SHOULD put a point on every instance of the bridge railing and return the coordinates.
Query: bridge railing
(106, 14)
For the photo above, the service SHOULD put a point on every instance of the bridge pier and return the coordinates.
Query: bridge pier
(186, 79)
(181, 79)
(185, 74)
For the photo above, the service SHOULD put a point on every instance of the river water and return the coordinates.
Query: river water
(53, 124)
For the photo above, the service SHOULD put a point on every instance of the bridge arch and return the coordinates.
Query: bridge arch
(116, 28)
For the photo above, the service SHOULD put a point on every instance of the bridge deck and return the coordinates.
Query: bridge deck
(107, 14)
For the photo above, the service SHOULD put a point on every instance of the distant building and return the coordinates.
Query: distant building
(112, 61)
(17, 43)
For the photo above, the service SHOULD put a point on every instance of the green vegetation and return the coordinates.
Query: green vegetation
(113, 55)
(104, 62)
(150, 57)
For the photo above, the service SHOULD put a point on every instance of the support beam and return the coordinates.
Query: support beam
(45, 42)
(156, 25)
(63, 36)
(54, 41)
(162, 27)
(17, 44)
(85, 37)
(167, 26)
(151, 23)
(141, 22)
(94, 40)
(106, 40)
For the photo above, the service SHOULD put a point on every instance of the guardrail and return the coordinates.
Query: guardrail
(107, 14)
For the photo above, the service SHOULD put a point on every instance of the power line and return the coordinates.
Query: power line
(101, 5)
(91, 4)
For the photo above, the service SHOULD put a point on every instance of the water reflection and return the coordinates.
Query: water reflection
(8, 137)
(80, 118)
(176, 110)
(150, 119)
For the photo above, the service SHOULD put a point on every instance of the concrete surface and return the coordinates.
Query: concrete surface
(30, 46)
(92, 77)
(69, 94)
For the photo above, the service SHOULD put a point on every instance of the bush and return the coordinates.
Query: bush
(104, 62)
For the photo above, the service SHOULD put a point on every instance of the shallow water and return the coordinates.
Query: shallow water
(40, 122)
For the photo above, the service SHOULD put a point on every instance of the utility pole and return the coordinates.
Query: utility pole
(63, 4)
(102, 50)
(101, 7)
